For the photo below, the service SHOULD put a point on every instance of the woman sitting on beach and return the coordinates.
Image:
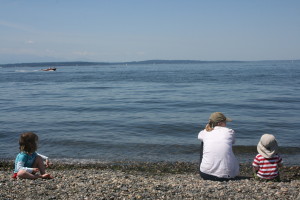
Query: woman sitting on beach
(28, 163)
(218, 160)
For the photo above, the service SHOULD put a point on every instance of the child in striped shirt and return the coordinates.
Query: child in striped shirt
(267, 161)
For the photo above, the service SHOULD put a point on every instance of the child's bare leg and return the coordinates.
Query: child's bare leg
(27, 175)
(39, 163)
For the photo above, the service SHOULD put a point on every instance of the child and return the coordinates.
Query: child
(28, 162)
(267, 162)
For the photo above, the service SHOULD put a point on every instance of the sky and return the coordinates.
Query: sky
(137, 30)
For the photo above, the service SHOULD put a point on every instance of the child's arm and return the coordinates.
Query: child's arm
(255, 169)
(20, 166)
(279, 164)
(45, 158)
(255, 165)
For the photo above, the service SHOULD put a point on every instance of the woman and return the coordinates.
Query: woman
(218, 161)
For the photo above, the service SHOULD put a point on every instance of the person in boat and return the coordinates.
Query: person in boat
(49, 69)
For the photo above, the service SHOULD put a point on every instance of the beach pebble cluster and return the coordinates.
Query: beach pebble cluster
(118, 184)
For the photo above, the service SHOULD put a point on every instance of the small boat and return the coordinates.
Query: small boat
(49, 69)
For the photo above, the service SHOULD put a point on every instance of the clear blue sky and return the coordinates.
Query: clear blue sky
(135, 30)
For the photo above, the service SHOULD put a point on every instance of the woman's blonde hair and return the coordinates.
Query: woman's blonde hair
(211, 125)
(28, 142)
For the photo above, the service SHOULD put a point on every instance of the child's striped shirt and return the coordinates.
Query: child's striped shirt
(268, 167)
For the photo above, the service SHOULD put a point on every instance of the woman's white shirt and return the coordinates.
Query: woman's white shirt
(218, 157)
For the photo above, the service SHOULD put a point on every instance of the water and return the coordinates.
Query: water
(148, 112)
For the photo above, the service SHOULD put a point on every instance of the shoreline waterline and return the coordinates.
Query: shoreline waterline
(289, 172)
(166, 154)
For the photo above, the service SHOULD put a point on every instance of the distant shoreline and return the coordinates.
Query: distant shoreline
(83, 63)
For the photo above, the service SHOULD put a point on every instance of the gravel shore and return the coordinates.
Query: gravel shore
(144, 181)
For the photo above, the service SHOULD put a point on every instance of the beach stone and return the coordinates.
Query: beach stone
(131, 183)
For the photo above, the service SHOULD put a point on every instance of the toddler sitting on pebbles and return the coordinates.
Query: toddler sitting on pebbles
(267, 161)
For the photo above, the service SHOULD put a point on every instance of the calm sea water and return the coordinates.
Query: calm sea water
(148, 112)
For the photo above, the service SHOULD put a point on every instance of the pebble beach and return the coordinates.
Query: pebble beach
(162, 180)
